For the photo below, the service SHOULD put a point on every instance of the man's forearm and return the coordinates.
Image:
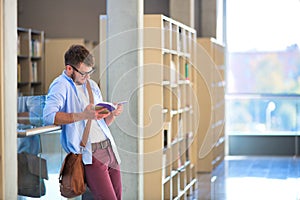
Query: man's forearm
(67, 118)
(23, 118)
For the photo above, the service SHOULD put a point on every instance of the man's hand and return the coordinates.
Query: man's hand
(118, 111)
(90, 112)
(102, 113)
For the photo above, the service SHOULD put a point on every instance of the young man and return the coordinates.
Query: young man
(68, 105)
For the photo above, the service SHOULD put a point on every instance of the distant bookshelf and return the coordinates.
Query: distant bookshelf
(211, 83)
(30, 45)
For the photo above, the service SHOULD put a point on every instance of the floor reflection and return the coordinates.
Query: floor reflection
(251, 178)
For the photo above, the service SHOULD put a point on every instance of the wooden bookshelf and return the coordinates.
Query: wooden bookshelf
(169, 51)
(30, 67)
(211, 100)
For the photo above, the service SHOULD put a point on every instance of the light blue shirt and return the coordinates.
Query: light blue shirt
(64, 97)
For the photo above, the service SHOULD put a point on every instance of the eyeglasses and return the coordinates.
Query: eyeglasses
(83, 73)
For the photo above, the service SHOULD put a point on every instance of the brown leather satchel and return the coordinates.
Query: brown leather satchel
(71, 177)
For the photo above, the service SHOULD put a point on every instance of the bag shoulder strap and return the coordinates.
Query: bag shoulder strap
(88, 124)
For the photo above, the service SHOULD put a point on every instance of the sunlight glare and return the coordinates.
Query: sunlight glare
(262, 25)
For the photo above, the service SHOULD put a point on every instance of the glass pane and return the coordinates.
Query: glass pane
(39, 155)
(263, 67)
(262, 114)
(264, 72)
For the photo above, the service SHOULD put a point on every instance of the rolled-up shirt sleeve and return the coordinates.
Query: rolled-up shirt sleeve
(54, 102)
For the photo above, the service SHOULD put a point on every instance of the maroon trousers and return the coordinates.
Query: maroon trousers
(103, 177)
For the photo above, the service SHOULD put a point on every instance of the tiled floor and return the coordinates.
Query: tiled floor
(251, 178)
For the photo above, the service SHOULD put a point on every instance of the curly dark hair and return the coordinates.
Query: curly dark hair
(77, 54)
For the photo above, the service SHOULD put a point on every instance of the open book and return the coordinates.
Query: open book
(108, 105)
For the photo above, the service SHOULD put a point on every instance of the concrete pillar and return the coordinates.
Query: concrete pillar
(124, 77)
(213, 19)
(183, 11)
(208, 15)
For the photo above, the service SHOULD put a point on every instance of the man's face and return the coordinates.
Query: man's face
(79, 75)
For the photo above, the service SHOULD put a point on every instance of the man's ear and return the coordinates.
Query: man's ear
(68, 67)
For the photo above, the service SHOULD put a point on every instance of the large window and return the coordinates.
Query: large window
(263, 74)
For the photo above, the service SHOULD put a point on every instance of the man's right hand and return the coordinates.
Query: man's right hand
(91, 113)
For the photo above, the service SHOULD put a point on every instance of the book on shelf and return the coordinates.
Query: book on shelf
(186, 71)
(19, 73)
(108, 105)
(164, 165)
(173, 72)
(167, 134)
(19, 45)
(35, 47)
(34, 72)
(31, 91)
